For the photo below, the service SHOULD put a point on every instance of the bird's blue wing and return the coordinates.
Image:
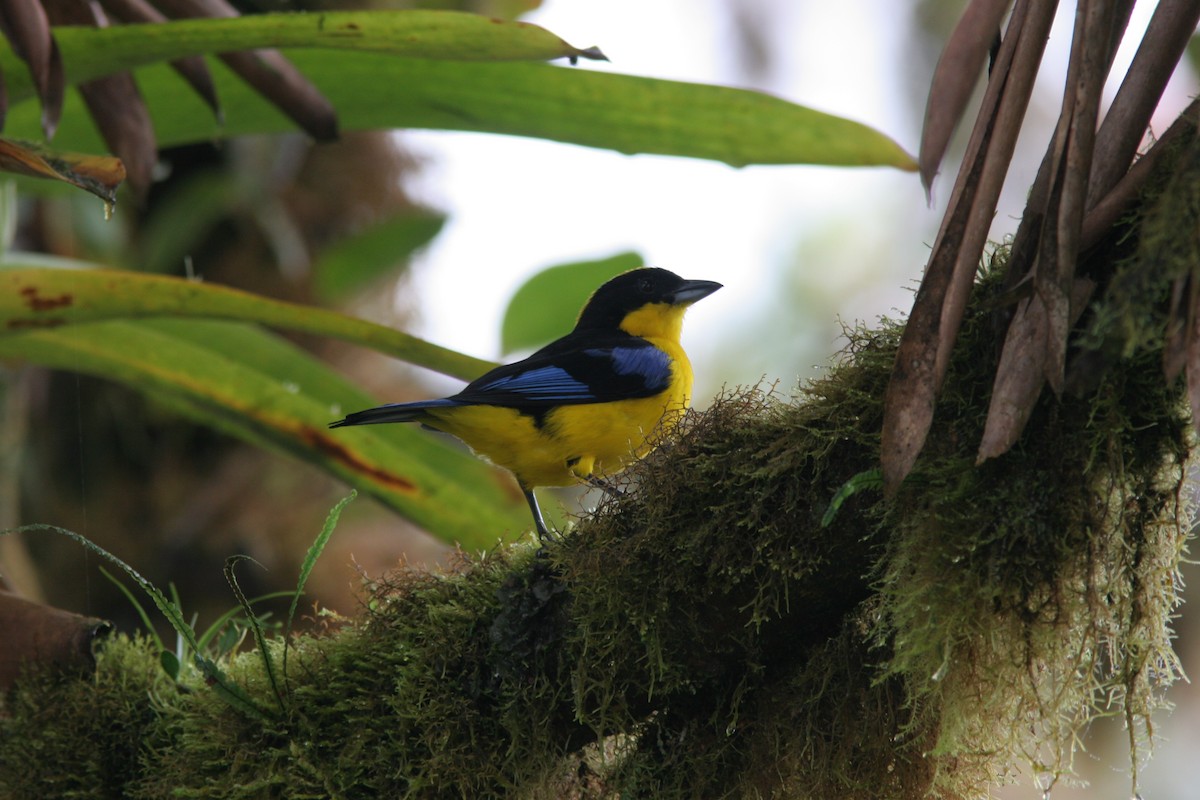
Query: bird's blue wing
(593, 374)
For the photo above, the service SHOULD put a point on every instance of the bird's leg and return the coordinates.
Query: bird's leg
(542, 531)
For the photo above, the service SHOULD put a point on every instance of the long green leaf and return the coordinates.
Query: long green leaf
(373, 90)
(42, 298)
(90, 53)
(266, 391)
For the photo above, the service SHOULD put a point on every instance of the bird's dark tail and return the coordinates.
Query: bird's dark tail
(394, 412)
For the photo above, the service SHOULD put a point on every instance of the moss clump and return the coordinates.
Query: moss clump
(66, 737)
(926, 644)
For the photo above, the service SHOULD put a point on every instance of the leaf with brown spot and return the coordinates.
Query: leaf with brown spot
(957, 71)
(38, 297)
(255, 385)
(100, 175)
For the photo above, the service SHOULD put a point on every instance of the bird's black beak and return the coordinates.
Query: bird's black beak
(691, 291)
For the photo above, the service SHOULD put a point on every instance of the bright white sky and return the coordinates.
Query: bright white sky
(797, 247)
(519, 205)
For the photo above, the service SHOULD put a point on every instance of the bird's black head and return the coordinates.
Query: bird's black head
(609, 305)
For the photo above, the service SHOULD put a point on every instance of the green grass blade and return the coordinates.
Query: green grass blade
(310, 560)
(228, 690)
(870, 479)
(252, 620)
(220, 622)
(137, 605)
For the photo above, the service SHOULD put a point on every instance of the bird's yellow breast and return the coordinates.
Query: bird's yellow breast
(572, 441)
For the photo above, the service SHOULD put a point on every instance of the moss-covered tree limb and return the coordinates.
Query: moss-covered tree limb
(705, 635)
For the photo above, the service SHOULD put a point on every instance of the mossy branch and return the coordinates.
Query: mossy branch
(706, 635)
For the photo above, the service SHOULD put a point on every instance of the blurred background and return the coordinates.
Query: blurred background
(444, 228)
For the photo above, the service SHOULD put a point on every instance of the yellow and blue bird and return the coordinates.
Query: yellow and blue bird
(584, 406)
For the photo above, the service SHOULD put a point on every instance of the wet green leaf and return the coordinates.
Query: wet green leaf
(38, 297)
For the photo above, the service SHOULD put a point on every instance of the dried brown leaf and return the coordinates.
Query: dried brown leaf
(957, 71)
(192, 69)
(38, 634)
(1018, 380)
(269, 73)
(1127, 119)
(1073, 145)
(100, 175)
(28, 30)
(1108, 211)
(274, 77)
(928, 339)
(1019, 376)
(1025, 246)
(117, 107)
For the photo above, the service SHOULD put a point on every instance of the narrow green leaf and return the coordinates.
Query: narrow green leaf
(90, 53)
(353, 263)
(628, 114)
(170, 664)
(34, 298)
(310, 560)
(260, 638)
(266, 391)
(142, 614)
(869, 479)
(546, 306)
(220, 622)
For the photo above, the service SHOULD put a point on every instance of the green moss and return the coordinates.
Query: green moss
(66, 737)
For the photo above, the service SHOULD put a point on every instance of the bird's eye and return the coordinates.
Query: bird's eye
(645, 286)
